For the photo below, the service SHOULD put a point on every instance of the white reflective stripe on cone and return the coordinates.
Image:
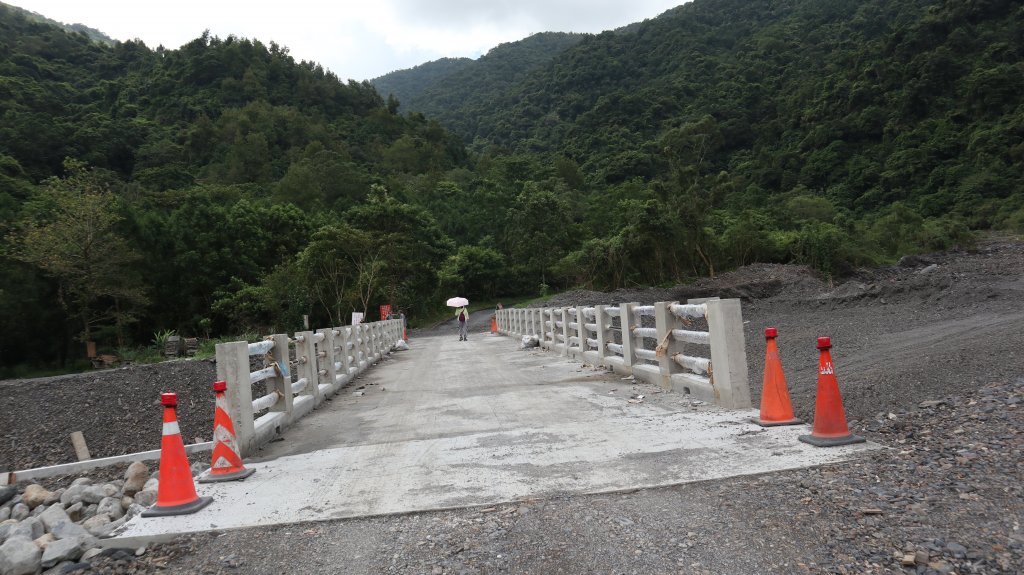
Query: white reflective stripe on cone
(171, 428)
(221, 463)
(222, 435)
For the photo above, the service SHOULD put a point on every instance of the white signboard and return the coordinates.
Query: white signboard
(357, 318)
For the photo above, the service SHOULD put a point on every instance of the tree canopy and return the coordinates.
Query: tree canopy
(225, 187)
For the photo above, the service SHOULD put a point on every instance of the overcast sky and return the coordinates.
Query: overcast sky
(359, 39)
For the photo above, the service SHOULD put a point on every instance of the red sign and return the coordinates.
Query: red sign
(385, 311)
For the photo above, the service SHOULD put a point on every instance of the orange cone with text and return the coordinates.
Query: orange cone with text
(494, 324)
(176, 493)
(830, 427)
(776, 409)
(227, 463)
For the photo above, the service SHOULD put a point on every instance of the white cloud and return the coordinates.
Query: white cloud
(354, 38)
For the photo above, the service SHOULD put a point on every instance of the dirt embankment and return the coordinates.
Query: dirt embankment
(934, 325)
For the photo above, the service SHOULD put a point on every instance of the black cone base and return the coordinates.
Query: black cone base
(240, 474)
(764, 423)
(831, 441)
(183, 509)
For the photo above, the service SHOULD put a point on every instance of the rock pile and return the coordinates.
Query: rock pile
(52, 530)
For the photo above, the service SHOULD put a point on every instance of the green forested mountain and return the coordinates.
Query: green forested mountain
(408, 85)
(224, 187)
(143, 190)
(455, 92)
(766, 110)
(93, 34)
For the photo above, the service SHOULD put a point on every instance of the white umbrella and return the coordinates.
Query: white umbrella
(457, 302)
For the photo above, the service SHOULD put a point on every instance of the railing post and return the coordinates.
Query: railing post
(371, 345)
(535, 322)
(375, 340)
(626, 322)
(305, 358)
(282, 382)
(364, 345)
(581, 333)
(565, 329)
(547, 316)
(728, 353)
(601, 333)
(233, 367)
(664, 322)
(543, 340)
(343, 339)
(326, 355)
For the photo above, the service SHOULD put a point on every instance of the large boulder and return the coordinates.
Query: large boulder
(35, 495)
(20, 511)
(96, 493)
(6, 527)
(110, 506)
(76, 512)
(19, 556)
(135, 478)
(96, 525)
(30, 528)
(46, 539)
(72, 495)
(57, 522)
(66, 550)
(146, 498)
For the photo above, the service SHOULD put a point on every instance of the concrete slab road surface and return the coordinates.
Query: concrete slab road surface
(453, 424)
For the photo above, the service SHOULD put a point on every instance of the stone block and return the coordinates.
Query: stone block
(19, 556)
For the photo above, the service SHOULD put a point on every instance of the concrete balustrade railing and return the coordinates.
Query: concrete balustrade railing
(695, 348)
(301, 372)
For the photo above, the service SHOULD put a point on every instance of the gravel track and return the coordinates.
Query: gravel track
(928, 359)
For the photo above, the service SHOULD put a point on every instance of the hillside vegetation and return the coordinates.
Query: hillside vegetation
(457, 92)
(224, 187)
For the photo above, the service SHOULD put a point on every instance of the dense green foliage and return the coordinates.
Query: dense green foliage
(224, 187)
(413, 82)
(456, 92)
(93, 34)
(832, 133)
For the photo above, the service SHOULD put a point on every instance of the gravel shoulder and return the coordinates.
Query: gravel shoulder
(928, 359)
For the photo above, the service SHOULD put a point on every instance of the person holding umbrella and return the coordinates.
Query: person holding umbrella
(461, 314)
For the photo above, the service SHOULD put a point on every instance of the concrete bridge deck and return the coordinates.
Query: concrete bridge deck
(455, 424)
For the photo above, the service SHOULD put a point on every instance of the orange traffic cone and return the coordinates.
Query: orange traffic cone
(176, 494)
(227, 463)
(830, 427)
(776, 408)
(494, 324)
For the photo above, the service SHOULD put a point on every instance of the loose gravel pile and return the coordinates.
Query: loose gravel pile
(118, 411)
